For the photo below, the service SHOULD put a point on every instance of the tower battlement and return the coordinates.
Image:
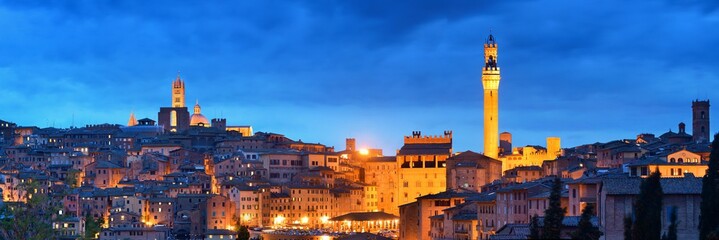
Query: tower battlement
(418, 138)
(703, 103)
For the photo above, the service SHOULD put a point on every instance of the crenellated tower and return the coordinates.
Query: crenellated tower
(178, 92)
(490, 82)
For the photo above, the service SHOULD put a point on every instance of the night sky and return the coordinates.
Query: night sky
(321, 71)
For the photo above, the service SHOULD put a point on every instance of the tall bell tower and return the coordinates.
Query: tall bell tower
(178, 92)
(490, 82)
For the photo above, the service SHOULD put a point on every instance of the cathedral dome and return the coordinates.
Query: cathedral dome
(197, 119)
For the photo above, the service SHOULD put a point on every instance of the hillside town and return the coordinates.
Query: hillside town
(179, 175)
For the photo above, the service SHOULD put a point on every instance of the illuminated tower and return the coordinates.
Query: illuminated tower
(175, 118)
(490, 82)
(178, 92)
(132, 121)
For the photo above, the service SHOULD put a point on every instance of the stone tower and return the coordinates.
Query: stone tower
(350, 144)
(700, 121)
(490, 82)
(178, 92)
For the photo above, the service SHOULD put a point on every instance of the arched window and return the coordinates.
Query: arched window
(173, 118)
(671, 160)
(680, 160)
(702, 115)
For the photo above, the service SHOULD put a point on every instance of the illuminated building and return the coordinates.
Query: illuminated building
(244, 130)
(308, 205)
(531, 155)
(220, 211)
(177, 117)
(364, 222)
(421, 166)
(197, 119)
(490, 82)
(469, 171)
(382, 173)
(159, 211)
(103, 174)
(415, 216)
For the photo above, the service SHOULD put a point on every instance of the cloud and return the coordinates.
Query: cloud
(585, 71)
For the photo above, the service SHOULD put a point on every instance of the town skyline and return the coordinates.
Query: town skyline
(359, 119)
(643, 82)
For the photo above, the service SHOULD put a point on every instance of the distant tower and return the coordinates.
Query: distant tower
(219, 123)
(350, 144)
(175, 118)
(554, 147)
(178, 92)
(490, 82)
(505, 143)
(132, 121)
(700, 121)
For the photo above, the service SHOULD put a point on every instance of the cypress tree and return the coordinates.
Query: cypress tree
(243, 233)
(673, 222)
(554, 215)
(586, 230)
(648, 209)
(534, 227)
(708, 220)
(627, 228)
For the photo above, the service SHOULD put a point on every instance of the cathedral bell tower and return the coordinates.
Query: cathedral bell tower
(490, 82)
(178, 92)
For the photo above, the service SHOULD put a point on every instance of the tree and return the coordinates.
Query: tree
(554, 215)
(92, 226)
(673, 222)
(243, 233)
(534, 227)
(648, 209)
(29, 220)
(587, 231)
(708, 222)
(71, 178)
(627, 228)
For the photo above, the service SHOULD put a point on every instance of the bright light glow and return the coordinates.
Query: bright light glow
(324, 219)
(364, 151)
(325, 238)
(305, 220)
(247, 217)
(279, 220)
(231, 228)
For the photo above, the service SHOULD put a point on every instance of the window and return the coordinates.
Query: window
(173, 118)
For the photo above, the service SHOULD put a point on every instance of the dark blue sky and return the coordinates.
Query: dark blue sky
(320, 71)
